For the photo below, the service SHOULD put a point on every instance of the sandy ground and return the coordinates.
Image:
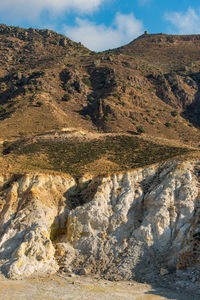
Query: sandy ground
(60, 287)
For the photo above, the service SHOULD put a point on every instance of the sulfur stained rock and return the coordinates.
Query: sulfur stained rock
(140, 222)
(31, 206)
(151, 209)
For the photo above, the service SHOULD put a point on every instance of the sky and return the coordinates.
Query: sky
(104, 24)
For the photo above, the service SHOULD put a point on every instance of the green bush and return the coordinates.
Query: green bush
(2, 109)
(87, 81)
(88, 117)
(39, 103)
(168, 124)
(174, 113)
(67, 86)
(91, 99)
(66, 97)
(140, 129)
(106, 118)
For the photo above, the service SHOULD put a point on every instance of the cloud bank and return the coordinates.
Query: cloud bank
(100, 37)
(185, 22)
(32, 9)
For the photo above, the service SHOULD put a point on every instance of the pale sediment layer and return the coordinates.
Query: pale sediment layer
(125, 226)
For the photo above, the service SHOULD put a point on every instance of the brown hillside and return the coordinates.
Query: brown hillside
(149, 87)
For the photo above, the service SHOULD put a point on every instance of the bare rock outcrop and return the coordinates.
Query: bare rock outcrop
(139, 221)
(130, 224)
(29, 206)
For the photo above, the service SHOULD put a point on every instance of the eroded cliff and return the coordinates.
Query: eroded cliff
(125, 226)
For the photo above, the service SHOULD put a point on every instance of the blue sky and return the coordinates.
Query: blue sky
(104, 24)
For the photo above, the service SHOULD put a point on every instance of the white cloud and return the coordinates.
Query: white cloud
(31, 9)
(185, 22)
(100, 37)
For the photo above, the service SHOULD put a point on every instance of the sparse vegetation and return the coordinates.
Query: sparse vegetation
(76, 157)
(87, 81)
(88, 117)
(168, 124)
(140, 129)
(117, 95)
(2, 110)
(91, 99)
(39, 103)
(174, 113)
(66, 97)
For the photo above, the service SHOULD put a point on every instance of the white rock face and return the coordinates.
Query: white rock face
(29, 206)
(138, 219)
(120, 226)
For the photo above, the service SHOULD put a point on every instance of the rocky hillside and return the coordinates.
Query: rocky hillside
(141, 225)
(150, 86)
(99, 158)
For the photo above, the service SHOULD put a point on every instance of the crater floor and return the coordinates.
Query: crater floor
(56, 287)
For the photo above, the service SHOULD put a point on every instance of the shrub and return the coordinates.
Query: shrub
(140, 129)
(37, 74)
(26, 90)
(66, 86)
(2, 109)
(87, 117)
(6, 144)
(168, 124)
(39, 103)
(91, 99)
(66, 97)
(116, 95)
(174, 113)
(87, 81)
(106, 118)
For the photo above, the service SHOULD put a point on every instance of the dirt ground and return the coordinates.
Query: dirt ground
(60, 287)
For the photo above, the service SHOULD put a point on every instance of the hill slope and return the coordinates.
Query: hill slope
(153, 82)
(48, 83)
(95, 117)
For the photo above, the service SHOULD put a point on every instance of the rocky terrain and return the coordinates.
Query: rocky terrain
(141, 225)
(150, 86)
(99, 153)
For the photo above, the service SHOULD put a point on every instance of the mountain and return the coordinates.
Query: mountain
(99, 158)
(53, 90)
(150, 85)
